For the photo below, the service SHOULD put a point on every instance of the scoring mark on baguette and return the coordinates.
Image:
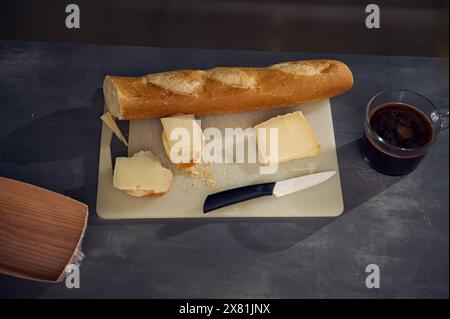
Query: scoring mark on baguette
(302, 68)
(235, 77)
(183, 82)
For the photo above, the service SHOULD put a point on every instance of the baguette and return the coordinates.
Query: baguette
(224, 90)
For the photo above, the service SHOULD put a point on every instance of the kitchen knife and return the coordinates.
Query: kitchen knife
(281, 188)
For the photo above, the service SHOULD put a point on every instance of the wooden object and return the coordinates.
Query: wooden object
(39, 231)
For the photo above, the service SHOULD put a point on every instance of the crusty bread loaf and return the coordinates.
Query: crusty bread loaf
(225, 90)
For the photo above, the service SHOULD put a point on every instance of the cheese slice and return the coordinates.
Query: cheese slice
(192, 145)
(141, 175)
(296, 139)
(111, 123)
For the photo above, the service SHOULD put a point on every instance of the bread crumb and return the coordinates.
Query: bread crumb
(201, 173)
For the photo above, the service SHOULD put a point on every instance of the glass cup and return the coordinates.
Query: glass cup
(393, 159)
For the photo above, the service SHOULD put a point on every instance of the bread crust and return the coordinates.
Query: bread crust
(225, 90)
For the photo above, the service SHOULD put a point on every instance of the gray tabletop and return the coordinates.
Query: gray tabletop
(51, 100)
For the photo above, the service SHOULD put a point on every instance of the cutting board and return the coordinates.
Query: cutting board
(187, 194)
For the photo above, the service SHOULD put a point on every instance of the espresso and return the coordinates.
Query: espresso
(400, 125)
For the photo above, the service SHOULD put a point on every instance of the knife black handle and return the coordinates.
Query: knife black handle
(236, 195)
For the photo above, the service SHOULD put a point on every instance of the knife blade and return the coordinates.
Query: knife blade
(278, 189)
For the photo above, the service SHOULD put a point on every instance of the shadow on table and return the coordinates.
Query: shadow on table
(58, 151)
(359, 184)
(62, 145)
(53, 151)
(13, 287)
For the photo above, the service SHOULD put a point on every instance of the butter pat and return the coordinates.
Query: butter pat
(187, 147)
(296, 139)
(141, 175)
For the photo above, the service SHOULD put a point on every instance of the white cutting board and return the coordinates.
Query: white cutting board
(187, 194)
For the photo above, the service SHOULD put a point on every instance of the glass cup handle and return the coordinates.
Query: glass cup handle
(443, 114)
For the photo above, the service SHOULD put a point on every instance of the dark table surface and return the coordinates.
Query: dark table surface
(51, 100)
